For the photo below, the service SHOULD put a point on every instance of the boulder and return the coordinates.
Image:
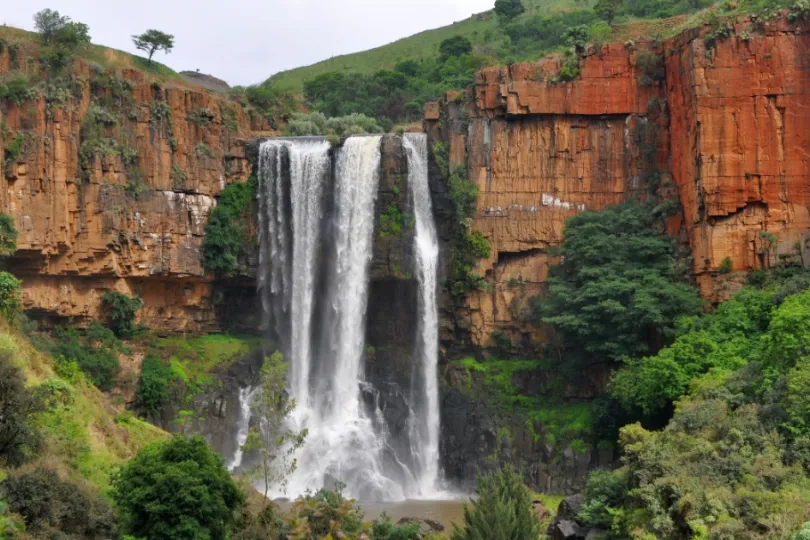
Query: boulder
(566, 530)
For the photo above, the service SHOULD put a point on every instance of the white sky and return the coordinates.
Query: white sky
(245, 41)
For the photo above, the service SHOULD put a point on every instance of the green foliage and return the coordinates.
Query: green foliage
(569, 69)
(325, 514)
(337, 128)
(502, 510)
(121, 310)
(60, 30)
(152, 41)
(651, 66)
(17, 87)
(274, 443)
(607, 9)
(533, 37)
(178, 489)
(454, 46)
(726, 266)
(153, 385)
(8, 235)
(53, 508)
(393, 221)
(226, 231)
(10, 296)
(202, 150)
(93, 352)
(384, 529)
(19, 437)
(507, 10)
(604, 492)
(615, 292)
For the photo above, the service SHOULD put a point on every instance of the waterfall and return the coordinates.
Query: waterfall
(316, 243)
(245, 397)
(424, 426)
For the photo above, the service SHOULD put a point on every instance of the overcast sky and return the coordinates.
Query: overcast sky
(245, 41)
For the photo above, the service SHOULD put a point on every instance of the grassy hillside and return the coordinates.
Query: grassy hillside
(85, 435)
(15, 39)
(482, 29)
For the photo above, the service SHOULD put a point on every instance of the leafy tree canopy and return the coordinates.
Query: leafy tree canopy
(175, 490)
(455, 46)
(509, 9)
(615, 293)
(152, 41)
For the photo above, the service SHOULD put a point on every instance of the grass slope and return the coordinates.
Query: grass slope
(86, 436)
(94, 54)
(482, 29)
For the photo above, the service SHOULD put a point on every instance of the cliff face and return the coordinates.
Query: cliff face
(721, 129)
(539, 152)
(740, 134)
(118, 200)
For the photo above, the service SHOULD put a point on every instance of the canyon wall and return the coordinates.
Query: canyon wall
(718, 127)
(117, 200)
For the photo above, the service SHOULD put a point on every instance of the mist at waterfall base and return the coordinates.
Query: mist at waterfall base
(317, 221)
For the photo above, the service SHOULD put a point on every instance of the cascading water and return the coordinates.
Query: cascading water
(424, 425)
(316, 243)
(245, 397)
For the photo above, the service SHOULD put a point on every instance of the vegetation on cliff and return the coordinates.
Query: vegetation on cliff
(226, 232)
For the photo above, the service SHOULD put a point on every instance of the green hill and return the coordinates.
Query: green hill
(482, 29)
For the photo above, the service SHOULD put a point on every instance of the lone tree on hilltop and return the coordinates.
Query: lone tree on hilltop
(60, 30)
(152, 41)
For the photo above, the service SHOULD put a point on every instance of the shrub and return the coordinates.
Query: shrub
(8, 235)
(455, 46)
(93, 352)
(226, 230)
(726, 266)
(51, 506)
(153, 385)
(604, 492)
(326, 514)
(10, 296)
(121, 310)
(177, 489)
(651, 66)
(507, 10)
(569, 69)
(18, 88)
(502, 510)
(19, 437)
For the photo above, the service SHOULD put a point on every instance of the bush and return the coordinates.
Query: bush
(153, 385)
(226, 230)
(502, 510)
(326, 514)
(506, 10)
(8, 235)
(10, 296)
(177, 489)
(93, 352)
(51, 506)
(455, 46)
(121, 310)
(726, 266)
(19, 438)
(604, 491)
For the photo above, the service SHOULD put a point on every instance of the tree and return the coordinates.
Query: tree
(47, 22)
(152, 41)
(60, 30)
(19, 438)
(502, 510)
(615, 293)
(121, 310)
(271, 439)
(508, 10)
(607, 9)
(454, 47)
(177, 489)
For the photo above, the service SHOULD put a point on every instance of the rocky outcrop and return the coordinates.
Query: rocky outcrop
(110, 178)
(539, 152)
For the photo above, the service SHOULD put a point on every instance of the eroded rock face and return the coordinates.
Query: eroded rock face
(540, 152)
(132, 219)
(740, 133)
(722, 131)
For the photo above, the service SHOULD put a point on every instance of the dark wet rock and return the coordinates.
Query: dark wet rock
(566, 530)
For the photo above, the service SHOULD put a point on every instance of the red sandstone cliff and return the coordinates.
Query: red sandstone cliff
(726, 133)
(88, 224)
